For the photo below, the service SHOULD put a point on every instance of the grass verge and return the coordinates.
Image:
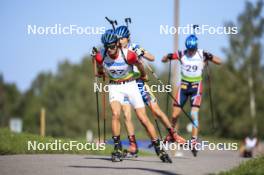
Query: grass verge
(254, 166)
(13, 143)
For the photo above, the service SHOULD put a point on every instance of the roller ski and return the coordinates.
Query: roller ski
(193, 146)
(164, 157)
(132, 151)
(117, 154)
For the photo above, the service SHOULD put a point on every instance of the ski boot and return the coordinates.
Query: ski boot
(133, 148)
(164, 157)
(117, 154)
(174, 137)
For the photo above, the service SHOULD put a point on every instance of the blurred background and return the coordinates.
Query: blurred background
(53, 73)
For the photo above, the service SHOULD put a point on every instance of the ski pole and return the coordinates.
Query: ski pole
(127, 21)
(209, 91)
(153, 113)
(104, 110)
(169, 82)
(97, 98)
(159, 80)
(112, 22)
(210, 94)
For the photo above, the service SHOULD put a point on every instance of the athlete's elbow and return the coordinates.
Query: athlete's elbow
(150, 57)
(217, 61)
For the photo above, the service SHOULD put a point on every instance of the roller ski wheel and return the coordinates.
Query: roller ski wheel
(164, 157)
(194, 152)
(117, 156)
(127, 154)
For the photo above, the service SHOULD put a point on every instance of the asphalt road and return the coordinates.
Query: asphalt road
(206, 162)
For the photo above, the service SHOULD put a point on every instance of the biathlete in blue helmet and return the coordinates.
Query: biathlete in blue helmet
(192, 62)
(149, 99)
(117, 63)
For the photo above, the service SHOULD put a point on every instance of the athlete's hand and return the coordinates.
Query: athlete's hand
(100, 74)
(144, 78)
(167, 57)
(164, 59)
(140, 51)
(94, 52)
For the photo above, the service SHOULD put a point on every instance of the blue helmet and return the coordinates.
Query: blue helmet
(122, 32)
(191, 42)
(109, 37)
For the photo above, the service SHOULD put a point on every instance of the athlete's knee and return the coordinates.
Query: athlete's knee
(115, 115)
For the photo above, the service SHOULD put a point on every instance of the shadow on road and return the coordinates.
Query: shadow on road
(127, 168)
(109, 159)
(98, 158)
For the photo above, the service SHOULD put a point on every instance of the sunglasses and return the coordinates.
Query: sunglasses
(111, 46)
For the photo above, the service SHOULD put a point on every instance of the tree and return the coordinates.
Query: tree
(9, 101)
(242, 79)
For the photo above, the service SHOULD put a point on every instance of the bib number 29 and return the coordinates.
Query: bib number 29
(191, 68)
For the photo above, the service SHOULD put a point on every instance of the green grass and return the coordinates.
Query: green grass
(251, 167)
(13, 143)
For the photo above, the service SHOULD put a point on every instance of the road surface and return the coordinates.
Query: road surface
(53, 164)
